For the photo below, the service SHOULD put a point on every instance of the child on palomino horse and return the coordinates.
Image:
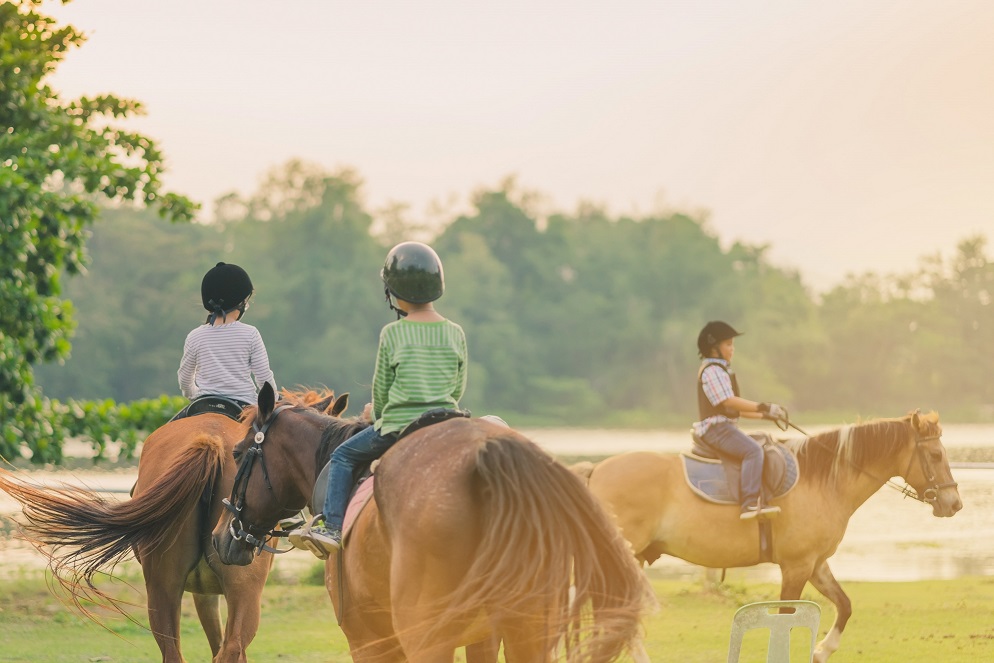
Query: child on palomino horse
(721, 405)
(420, 365)
(224, 356)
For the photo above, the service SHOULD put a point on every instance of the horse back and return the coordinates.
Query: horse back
(425, 482)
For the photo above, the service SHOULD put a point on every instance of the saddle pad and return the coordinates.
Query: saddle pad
(360, 498)
(710, 478)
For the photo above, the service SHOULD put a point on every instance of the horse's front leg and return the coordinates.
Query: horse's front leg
(825, 582)
(243, 595)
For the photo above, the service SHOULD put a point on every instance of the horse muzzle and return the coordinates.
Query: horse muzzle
(946, 502)
(232, 550)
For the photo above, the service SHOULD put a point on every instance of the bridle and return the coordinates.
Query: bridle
(931, 495)
(253, 535)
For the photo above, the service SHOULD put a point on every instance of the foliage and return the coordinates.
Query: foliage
(100, 423)
(57, 159)
(581, 319)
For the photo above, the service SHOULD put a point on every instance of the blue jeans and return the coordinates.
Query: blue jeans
(729, 440)
(365, 446)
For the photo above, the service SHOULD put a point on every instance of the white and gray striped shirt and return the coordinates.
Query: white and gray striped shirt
(223, 361)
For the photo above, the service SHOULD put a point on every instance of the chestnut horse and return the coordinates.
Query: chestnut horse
(185, 469)
(472, 531)
(839, 470)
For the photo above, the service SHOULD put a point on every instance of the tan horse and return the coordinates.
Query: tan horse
(472, 531)
(186, 468)
(839, 470)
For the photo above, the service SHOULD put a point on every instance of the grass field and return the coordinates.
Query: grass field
(927, 622)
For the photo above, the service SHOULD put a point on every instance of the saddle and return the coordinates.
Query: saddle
(362, 488)
(211, 405)
(716, 478)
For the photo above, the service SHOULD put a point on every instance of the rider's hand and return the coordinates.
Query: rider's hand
(367, 413)
(777, 412)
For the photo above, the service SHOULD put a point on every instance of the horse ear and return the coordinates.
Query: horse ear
(267, 401)
(916, 422)
(323, 404)
(341, 403)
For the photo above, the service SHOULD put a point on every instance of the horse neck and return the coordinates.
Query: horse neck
(863, 472)
(301, 448)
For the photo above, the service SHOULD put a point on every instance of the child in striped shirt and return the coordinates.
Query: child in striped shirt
(420, 365)
(224, 356)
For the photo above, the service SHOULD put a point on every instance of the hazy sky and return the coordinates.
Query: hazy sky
(849, 135)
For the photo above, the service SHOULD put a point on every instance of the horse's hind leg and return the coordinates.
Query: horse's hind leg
(165, 599)
(825, 582)
(209, 612)
(483, 652)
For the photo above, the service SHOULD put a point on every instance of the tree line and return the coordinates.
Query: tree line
(572, 319)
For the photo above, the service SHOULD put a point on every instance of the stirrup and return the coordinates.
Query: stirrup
(290, 524)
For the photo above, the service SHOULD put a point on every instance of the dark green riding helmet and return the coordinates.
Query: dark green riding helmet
(413, 272)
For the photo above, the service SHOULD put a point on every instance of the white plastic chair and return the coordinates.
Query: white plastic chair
(766, 614)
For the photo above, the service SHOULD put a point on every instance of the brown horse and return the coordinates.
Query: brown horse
(473, 530)
(185, 469)
(839, 470)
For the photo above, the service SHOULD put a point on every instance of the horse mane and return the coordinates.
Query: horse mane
(827, 456)
(304, 401)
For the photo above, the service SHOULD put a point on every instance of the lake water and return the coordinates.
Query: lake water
(890, 538)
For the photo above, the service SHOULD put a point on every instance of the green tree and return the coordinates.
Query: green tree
(57, 159)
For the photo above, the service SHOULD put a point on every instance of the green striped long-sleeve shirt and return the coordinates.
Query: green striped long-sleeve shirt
(419, 366)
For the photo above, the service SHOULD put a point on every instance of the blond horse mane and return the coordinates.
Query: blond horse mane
(836, 454)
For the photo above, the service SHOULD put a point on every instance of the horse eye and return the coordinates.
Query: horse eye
(237, 455)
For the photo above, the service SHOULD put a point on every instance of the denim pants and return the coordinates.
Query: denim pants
(365, 446)
(729, 440)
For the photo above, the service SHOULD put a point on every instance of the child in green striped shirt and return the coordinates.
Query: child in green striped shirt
(420, 365)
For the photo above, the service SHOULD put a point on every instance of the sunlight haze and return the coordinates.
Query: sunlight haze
(849, 136)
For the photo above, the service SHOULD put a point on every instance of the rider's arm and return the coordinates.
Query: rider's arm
(745, 407)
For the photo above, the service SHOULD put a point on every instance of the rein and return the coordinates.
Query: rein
(256, 537)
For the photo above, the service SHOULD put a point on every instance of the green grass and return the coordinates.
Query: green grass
(914, 622)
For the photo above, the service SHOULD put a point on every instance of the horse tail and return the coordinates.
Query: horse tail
(543, 532)
(81, 532)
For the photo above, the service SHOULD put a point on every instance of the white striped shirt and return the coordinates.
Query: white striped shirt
(223, 361)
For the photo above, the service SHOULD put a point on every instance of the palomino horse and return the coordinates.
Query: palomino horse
(472, 531)
(185, 469)
(839, 470)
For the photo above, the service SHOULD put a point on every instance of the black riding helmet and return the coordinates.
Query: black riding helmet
(225, 288)
(413, 272)
(714, 333)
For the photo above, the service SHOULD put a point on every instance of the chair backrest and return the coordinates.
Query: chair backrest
(767, 615)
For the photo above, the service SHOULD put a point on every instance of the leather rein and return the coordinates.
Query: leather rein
(252, 535)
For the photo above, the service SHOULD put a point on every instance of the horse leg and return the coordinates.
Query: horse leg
(824, 581)
(527, 641)
(483, 652)
(165, 598)
(243, 595)
(209, 612)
